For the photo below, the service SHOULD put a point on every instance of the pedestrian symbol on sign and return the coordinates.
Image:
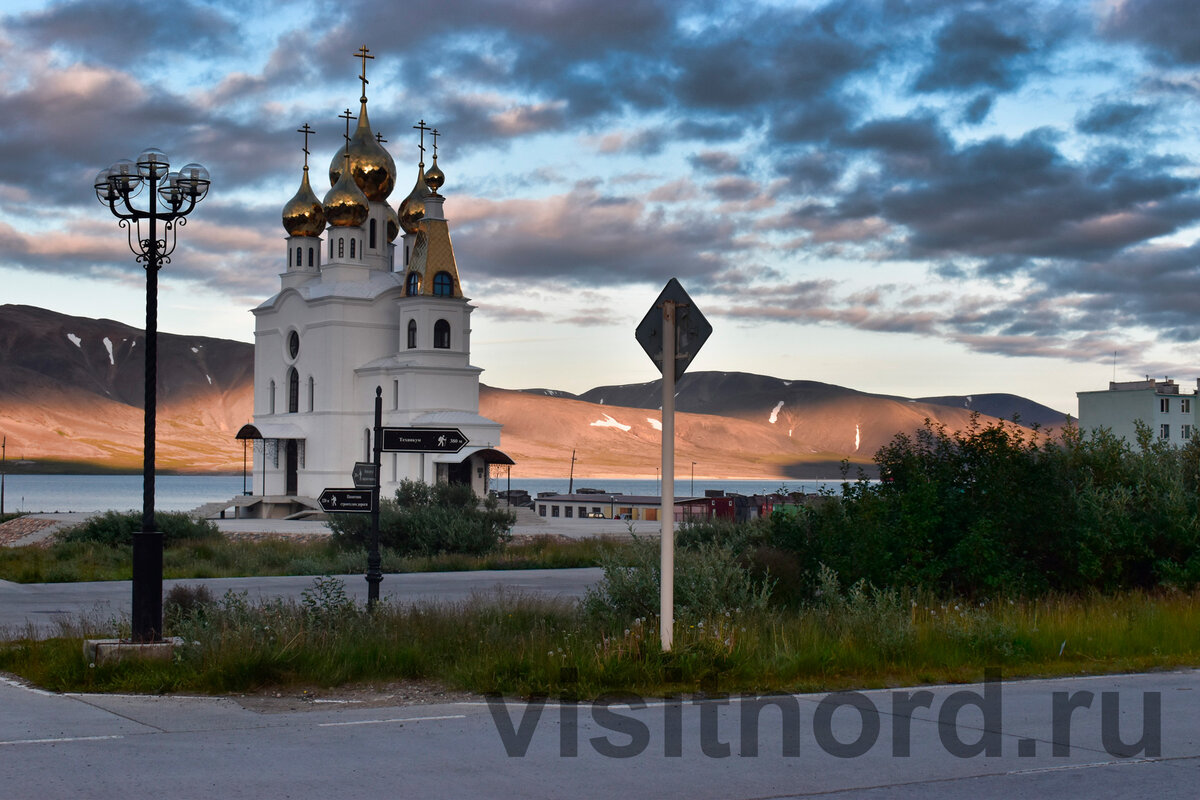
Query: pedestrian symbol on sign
(441, 441)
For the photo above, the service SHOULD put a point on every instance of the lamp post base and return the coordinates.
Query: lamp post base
(147, 586)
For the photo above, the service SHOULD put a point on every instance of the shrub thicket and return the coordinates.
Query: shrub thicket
(428, 520)
(993, 509)
(116, 528)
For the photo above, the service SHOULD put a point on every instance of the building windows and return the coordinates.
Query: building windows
(352, 248)
(568, 512)
(441, 334)
(412, 334)
(1185, 405)
(1164, 405)
(1186, 431)
(372, 234)
(310, 256)
(341, 247)
(443, 285)
(554, 511)
(312, 394)
(413, 285)
(271, 397)
(299, 261)
(1164, 431)
(541, 510)
(293, 344)
(293, 391)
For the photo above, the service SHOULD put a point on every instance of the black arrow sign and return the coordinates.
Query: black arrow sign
(346, 501)
(365, 475)
(422, 440)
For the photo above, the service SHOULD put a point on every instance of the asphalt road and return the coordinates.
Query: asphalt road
(40, 607)
(104, 746)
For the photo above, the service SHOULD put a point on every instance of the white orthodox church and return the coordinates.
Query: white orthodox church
(358, 309)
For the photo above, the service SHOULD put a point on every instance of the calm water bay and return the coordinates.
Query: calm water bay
(185, 492)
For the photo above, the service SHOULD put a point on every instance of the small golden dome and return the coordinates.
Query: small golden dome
(412, 210)
(393, 224)
(372, 167)
(304, 215)
(345, 205)
(435, 177)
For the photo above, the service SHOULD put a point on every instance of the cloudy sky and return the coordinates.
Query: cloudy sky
(919, 198)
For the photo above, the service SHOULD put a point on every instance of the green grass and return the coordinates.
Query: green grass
(221, 558)
(521, 646)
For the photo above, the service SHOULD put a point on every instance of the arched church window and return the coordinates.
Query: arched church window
(372, 234)
(413, 287)
(412, 334)
(341, 247)
(443, 285)
(441, 334)
(293, 344)
(271, 397)
(299, 259)
(293, 391)
(289, 257)
(331, 247)
(352, 247)
(312, 395)
(310, 257)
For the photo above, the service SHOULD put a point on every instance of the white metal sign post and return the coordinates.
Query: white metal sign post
(671, 337)
(666, 599)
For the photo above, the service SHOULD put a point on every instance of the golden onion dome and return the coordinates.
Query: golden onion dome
(345, 204)
(372, 167)
(412, 210)
(304, 215)
(393, 224)
(435, 177)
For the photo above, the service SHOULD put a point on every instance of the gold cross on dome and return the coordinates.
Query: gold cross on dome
(307, 131)
(379, 138)
(422, 127)
(363, 54)
(435, 135)
(347, 116)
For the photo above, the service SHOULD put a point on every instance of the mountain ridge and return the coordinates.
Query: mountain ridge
(71, 391)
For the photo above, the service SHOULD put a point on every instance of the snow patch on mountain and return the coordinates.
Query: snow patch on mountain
(655, 423)
(775, 412)
(609, 422)
(75, 340)
(108, 347)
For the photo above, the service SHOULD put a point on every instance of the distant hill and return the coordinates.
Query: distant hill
(1003, 406)
(71, 391)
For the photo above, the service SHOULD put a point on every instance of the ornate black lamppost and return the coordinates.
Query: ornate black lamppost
(178, 193)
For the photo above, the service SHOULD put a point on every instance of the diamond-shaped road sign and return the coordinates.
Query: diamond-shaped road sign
(346, 501)
(691, 329)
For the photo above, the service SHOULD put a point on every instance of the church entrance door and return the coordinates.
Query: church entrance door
(292, 459)
(459, 473)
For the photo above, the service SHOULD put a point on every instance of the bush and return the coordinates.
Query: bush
(116, 528)
(429, 520)
(709, 581)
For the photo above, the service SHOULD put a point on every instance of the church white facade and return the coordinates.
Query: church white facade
(357, 310)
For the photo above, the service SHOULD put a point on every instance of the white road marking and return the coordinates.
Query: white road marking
(385, 721)
(63, 739)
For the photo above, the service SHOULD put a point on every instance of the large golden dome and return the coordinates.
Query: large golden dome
(304, 215)
(345, 205)
(412, 210)
(372, 167)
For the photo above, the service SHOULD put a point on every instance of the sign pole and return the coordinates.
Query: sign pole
(374, 562)
(667, 589)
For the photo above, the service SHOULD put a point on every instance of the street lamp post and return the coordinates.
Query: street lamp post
(179, 192)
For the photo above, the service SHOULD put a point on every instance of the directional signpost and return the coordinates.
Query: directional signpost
(346, 501)
(365, 475)
(671, 333)
(423, 440)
